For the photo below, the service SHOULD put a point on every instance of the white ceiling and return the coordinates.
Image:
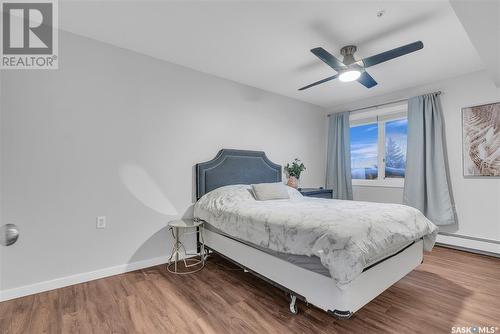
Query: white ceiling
(266, 44)
(483, 33)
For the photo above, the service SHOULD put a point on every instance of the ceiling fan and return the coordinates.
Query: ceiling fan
(351, 69)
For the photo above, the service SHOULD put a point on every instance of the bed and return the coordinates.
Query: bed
(317, 250)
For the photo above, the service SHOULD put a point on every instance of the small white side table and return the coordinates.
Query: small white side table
(191, 265)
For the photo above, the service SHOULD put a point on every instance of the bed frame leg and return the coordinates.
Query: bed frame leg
(341, 314)
(293, 304)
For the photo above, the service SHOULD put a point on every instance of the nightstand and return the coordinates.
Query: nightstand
(317, 192)
(186, 265)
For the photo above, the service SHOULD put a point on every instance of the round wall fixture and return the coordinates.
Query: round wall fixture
(9, 234)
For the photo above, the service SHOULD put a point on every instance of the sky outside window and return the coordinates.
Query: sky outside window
(364, 151)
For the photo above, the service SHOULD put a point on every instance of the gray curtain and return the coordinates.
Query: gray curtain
(427, 184)
(338, 165)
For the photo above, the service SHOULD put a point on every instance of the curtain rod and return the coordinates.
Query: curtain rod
(383, 104)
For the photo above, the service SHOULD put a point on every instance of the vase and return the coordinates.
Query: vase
(293, 182)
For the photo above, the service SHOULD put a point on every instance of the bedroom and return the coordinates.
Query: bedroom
(100, 152)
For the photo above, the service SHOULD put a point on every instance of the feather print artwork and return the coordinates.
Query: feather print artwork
(481, 136)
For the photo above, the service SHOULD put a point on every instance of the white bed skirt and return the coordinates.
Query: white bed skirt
(315, 288)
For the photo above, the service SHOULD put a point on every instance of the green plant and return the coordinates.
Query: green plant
(295, 168)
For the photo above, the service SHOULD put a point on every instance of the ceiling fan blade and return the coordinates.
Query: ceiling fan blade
(366, 80)
(391, 54)
(320, 82)
(328, 58)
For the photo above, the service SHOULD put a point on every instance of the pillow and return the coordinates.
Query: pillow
(269, 191)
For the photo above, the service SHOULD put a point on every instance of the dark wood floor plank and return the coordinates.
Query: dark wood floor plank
(451, 288)
(21, 315)
(46, 315)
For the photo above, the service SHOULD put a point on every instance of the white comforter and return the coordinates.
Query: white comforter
(346, 235)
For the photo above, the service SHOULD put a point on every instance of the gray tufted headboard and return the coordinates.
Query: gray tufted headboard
(235, 167)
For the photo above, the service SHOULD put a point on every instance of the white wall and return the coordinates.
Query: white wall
(477, 199)
(1, 185)
(117, 133)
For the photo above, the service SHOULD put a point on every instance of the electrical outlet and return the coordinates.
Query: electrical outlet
(101, 222)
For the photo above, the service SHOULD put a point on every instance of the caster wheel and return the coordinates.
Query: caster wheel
(293, 305)
(341, 314)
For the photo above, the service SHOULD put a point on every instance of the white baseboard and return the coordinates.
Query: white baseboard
(476, 245)
(80, 278)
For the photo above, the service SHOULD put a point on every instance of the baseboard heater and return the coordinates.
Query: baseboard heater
(488, 247)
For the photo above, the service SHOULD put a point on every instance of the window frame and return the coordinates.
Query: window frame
(380, 116)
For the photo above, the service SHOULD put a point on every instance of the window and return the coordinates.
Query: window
(378, 147)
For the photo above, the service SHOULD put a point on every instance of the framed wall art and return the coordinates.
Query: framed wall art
(481, 140)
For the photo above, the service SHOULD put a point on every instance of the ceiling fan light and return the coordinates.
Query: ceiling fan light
(350, 75)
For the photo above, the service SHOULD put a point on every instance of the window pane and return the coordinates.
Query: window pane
(395, 148)
(364, 151)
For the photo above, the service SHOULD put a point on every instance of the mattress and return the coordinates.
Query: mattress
(346, 236)
(311, 263)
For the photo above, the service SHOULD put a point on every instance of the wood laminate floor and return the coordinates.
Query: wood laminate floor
(451, 288)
